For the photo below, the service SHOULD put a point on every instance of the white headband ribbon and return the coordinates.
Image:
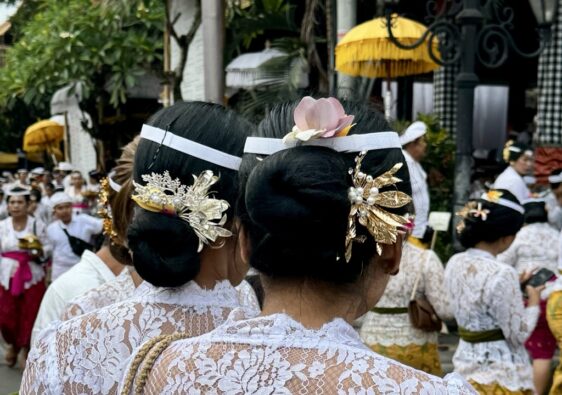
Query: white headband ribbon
(505, 203)
(534, 200)
(353, 143)
(181, 144)
(556, 179)
(116, 187)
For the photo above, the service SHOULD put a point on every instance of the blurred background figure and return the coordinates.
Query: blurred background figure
(520, 159)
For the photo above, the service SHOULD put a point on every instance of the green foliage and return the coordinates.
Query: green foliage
(439, 165)
(72, 40)
(248, 22)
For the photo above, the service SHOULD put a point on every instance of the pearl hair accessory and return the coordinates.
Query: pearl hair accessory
(367, 207)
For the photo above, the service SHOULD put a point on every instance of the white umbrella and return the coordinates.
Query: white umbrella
(244, 71)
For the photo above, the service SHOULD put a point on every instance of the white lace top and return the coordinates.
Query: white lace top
(117, 290)
(277, 355)
(534, 247)
(486, 295)
(88, 354)
(396, 329)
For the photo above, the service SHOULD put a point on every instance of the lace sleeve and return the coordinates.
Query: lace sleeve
(516, 321)
(71, 310)
(40, 368)
(434, 286)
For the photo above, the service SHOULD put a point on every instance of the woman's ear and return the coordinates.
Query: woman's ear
(244, 244)
(393, 255)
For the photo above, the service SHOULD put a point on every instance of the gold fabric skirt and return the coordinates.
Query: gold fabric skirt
(425, 357)
(496, 389)
(554, 318)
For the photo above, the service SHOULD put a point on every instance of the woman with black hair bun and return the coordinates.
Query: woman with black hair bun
(520, 159)
(487, 301)
(182, 241)
(323, 222)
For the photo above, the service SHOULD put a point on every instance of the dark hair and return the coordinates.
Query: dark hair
(36, 193)
(535, 212)
(121, 203)
(501, 221)
(516, 151)
(296, 206)
(555, 172)
(165, 248)
(50, 185)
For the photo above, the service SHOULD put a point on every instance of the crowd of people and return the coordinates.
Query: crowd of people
(294, 256)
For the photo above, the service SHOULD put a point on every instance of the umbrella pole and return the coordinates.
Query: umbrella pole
(387, 93)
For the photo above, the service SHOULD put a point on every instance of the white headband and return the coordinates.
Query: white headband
(505, 203)
(555, 179)
(534, 200)
(116, 187)
(353, 143)
(181, 144)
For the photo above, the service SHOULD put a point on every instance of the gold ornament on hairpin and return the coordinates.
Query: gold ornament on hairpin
(368, 207)
(506, 149)
(105, 211)
(204, 214)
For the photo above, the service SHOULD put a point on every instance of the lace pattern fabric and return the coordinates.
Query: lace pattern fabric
(87, 354)
(533, 249)
(485, 295)
(121, 288)
(396, 329)
(277, 355)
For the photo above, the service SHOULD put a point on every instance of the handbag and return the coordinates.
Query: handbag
(77, 245)
(421, 313)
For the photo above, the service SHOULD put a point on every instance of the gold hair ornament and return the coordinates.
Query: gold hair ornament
(368, 207)
(506, 150)
(105, 210)
(474, 209)
(204, 214)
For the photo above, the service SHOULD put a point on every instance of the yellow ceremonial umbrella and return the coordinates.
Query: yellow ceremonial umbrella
(44, 136)
(366, 51)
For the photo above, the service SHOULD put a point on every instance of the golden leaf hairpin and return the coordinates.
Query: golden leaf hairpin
(368, 207)
(472, 209)
(105, 210)
(204, 214)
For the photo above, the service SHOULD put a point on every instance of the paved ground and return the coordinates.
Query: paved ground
(10, 378)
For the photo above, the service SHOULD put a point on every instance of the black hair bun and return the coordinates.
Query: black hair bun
(164, 249)
(501, 221)
(298, 205)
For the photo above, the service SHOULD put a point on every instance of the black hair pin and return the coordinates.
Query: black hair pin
(160, 146)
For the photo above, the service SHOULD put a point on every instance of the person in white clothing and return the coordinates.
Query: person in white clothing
(77, 193)
(23, 244)
(414, 150)
(487, 301)
(90, 272)
(82, 227)
(532, 250)
(554, 198)
(179, 245)
(520, 159)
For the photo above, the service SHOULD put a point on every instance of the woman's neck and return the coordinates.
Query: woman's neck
(492, 248)
(311, 305)
(19, 221)
(113, 264)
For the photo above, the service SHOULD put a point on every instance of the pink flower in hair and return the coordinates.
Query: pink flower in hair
(322, 118)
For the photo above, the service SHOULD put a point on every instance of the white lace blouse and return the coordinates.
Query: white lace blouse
(277, 355)
(534, 247)
(486, 295)
(88, 354)
(396, 329)
(117, 290)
